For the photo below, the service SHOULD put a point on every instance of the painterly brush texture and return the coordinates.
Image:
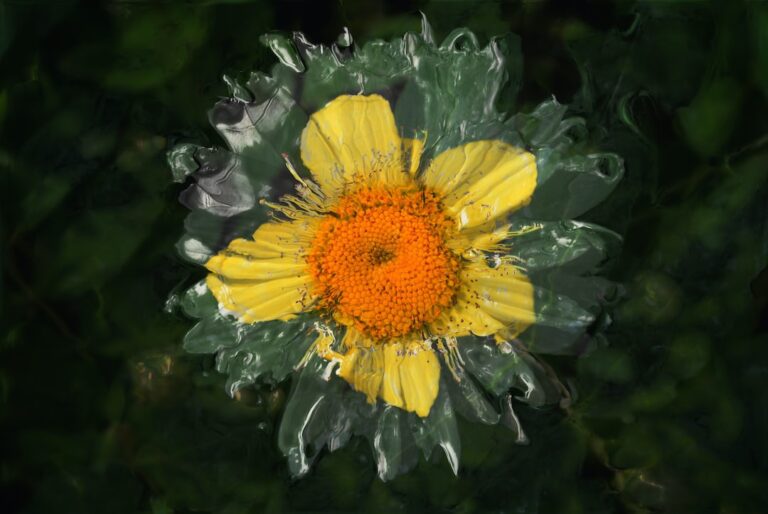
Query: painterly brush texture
(103, 411)
(428, 243)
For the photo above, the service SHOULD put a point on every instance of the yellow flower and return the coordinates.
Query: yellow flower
(394, 250)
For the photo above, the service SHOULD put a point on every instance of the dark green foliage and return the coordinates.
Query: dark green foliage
(101, 408)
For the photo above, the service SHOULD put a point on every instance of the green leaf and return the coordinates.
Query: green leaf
(198, 301)
(387, 443)
(708, 121)
(439, 428)
(501, 367)
(571, 245)
(269, 350)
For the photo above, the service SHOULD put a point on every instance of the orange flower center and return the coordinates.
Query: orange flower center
(380, 263)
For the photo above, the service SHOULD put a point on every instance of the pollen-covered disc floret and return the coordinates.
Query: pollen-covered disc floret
(380, 263)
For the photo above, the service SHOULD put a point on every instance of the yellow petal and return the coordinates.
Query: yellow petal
(490, 237)
(404, 375)
(323, 346)
(482, 238)
(265, 278)
(419, 378)
(352, 138)
(276, 239)
(411, 376)
(489, 300)
(412, 150)
(465, 317)
(391, 390)
(254, 301)
(362, 368)
(240, 267)
(482, 180)
(362, 365)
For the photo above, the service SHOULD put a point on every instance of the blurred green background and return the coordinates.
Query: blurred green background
(101, 411)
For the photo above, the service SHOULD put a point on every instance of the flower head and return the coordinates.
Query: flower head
(380, 261)
(410, 253)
